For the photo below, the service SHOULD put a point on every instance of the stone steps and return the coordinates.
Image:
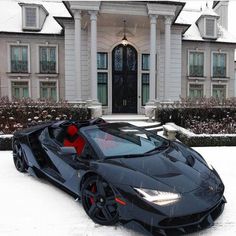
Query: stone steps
(137, 120)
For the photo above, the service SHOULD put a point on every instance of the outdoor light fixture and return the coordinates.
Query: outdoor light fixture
(124, 40)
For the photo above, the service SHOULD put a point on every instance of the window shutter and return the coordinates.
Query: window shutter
(210, 27)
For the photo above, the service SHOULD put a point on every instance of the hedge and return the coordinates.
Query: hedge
(200, 117)
(203, 140)
(17, 115)
(5, 143)
(208, 140)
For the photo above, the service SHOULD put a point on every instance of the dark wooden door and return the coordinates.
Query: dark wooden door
(124, 79)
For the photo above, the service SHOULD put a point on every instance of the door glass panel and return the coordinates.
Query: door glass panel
(131, 59)
(118, 59)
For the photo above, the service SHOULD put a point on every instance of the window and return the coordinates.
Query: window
(122, 140)
(102, 61)
(48, 90)
(20, 90)
(33, 16)
(145, 61)
(145, 78)
(196, 90)
(145, 88)
(19, 59)
(210, 28)
(219, 65)
(30, 17)
(47, 56)
(102, 88)
(196, 64)
(219, 91)
(102, 77)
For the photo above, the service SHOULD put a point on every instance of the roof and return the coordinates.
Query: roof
(191, 16)
(209, 12)
(11, 16)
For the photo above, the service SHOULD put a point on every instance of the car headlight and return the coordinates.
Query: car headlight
(158, 197)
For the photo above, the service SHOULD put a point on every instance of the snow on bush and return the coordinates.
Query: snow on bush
(19, 114)
(206, 115)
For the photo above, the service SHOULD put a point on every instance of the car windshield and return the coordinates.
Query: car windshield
(116, 140)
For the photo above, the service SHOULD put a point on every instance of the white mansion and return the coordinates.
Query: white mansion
(121, 57)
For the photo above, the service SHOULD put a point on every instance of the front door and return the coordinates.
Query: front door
(124, 79)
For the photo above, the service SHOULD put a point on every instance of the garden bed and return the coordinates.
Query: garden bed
(203, 140)
(206, 115)
(17, 115)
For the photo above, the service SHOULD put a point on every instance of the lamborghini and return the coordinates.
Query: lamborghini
(124, 174)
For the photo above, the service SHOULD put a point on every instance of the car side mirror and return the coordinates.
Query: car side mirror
(68, 151)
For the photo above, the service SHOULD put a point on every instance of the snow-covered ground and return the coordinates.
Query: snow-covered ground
(29, 206)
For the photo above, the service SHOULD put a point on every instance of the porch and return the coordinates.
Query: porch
(97, 29)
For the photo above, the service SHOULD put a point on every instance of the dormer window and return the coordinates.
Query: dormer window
(33, 16)
(210, 28)
(207, 24)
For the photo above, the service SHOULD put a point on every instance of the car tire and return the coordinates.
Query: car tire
(19, 157)
(98, 200)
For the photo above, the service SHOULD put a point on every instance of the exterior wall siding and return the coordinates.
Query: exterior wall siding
(33, 77)
(174, 83)
(70, 88)
(70, 91)
(208, 48)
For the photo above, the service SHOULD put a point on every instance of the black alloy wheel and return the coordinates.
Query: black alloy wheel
(18, 157)
(98, 200)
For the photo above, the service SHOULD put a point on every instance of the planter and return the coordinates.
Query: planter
(201, 140)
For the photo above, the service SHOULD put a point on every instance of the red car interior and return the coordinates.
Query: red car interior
(73, 139)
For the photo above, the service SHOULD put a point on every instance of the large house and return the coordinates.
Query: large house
(118, 57)
(32, 49)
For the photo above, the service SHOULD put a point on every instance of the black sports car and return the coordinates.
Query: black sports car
(122, 173)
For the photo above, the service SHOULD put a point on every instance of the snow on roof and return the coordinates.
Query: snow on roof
(209, 12)
(11, 16)
(190, 16)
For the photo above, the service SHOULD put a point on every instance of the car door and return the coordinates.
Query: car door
(68, 165)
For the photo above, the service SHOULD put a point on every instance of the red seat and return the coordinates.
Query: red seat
(73, 139)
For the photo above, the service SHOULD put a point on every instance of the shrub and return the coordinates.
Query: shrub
(200, 116)
(5, 143)
(205, 141)
(20, 114)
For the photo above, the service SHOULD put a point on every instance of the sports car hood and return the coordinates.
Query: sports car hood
(179, 167)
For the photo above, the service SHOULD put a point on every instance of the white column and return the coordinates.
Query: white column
(93, 55)
(167, 56)
(153, 38)
(77, 44)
